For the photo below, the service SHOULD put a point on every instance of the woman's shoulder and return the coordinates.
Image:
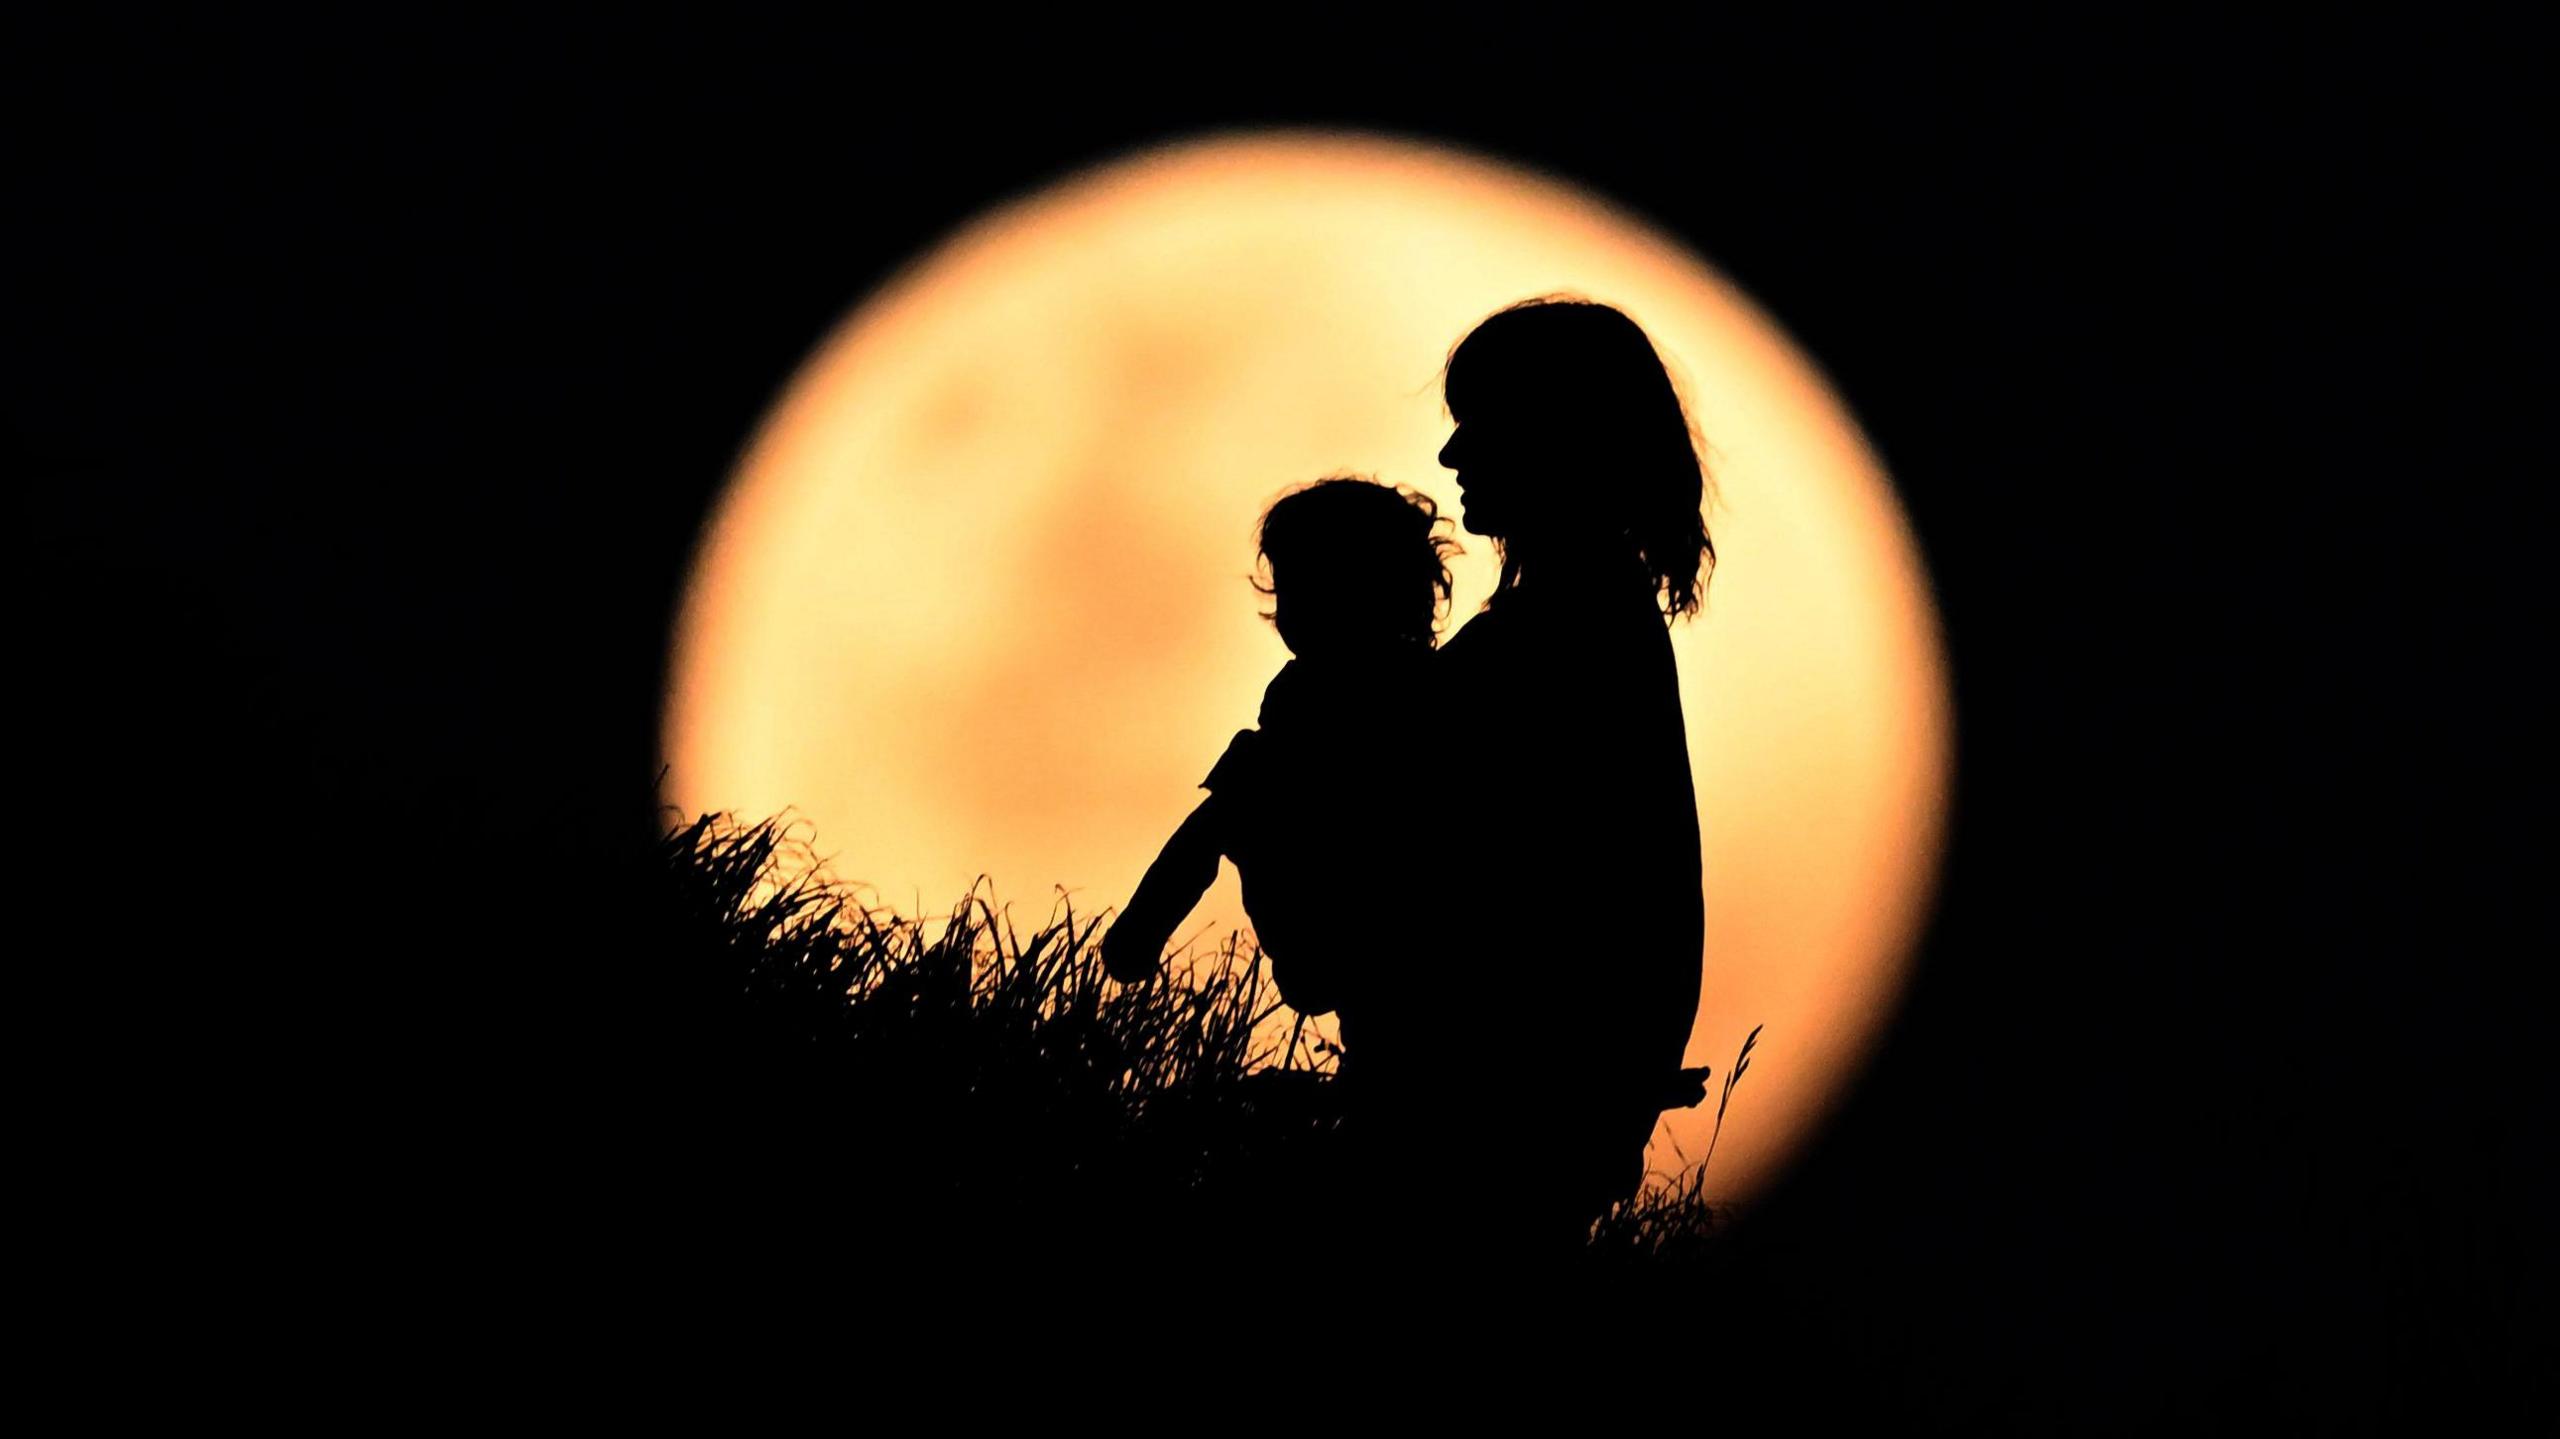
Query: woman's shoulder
(1486, 633)
(1576, 623)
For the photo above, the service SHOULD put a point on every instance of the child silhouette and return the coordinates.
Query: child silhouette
(1358, 576)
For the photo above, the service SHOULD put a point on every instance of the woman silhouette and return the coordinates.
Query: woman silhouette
(1580, 911)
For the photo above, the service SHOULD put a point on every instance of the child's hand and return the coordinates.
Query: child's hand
(1130, 952)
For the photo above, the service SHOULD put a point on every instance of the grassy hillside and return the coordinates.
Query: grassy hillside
(972, 1080)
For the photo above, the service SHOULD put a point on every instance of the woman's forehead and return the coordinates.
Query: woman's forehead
(1479, 380)
(1469, 387)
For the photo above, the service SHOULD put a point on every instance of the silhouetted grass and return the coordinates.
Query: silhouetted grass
(972, 1075)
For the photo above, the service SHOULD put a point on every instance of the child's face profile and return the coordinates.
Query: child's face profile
(1290, 615)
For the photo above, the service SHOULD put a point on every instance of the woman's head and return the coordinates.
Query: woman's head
(1571, 438)
(1354, 562)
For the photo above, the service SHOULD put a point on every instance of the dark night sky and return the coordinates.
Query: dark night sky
(376, 376)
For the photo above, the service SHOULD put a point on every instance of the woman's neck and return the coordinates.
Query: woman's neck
(1579, 565)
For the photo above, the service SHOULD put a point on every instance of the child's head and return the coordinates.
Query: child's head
(1354, 563)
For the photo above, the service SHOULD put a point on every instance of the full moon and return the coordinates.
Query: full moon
(976, 598)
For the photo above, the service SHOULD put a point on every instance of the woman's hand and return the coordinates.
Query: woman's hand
(1685, 1089)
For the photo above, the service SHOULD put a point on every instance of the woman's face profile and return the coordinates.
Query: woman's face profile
(1478, 508)
(1489, 493)
(1499, 457)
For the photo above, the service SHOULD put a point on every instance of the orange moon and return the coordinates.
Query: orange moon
(975, 599)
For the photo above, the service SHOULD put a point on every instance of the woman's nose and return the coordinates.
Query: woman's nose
(1449, 452)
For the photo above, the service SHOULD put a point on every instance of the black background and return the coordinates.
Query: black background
(374, 375)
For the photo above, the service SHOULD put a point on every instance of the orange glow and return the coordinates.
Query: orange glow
(975, 600)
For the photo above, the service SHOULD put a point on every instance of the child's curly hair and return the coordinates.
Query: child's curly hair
(1357, 554)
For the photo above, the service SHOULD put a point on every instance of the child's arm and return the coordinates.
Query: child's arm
(1183, 870)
